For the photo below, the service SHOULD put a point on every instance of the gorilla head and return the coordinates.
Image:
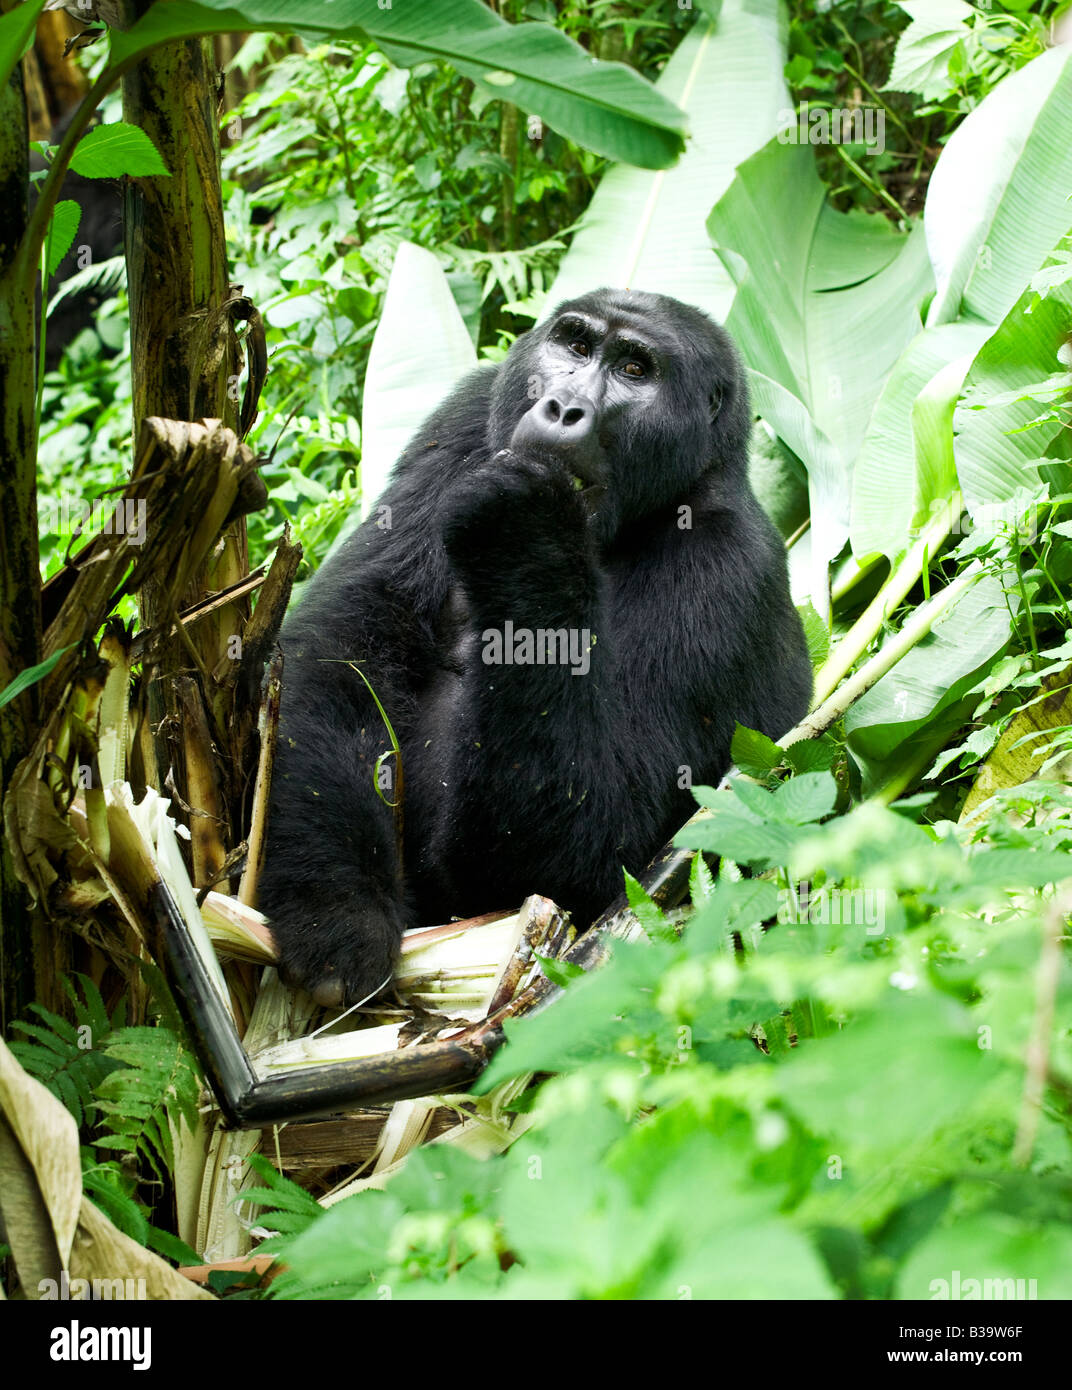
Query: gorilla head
(636, 396)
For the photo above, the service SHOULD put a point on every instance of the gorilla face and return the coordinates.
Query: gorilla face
(634, 396)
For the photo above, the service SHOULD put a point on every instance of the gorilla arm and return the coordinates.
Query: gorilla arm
(331, 883)
(517, 760)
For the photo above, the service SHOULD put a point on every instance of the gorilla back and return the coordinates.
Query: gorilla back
(565, 600)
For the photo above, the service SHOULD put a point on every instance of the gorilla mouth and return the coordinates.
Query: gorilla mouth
(590, 494)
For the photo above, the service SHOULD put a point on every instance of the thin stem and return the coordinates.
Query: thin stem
(914, 630)
(46, 256)
(1019, 562)
(845, 586)
(872, 184)
(344, 142)
(801, 530)
(867, 627)
(875, 96)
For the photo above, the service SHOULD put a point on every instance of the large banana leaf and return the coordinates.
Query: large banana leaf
(996, 451)
(411, 367)
(647, 231)
(606, 107)
(906, 460)
(17, 34)
(998, 197)
(826, 303)
(830, 338)
(794, 426)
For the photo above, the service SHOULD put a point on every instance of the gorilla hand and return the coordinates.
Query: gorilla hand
(514, 510)
(341, 954)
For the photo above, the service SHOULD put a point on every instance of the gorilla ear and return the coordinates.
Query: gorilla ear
(716, 401)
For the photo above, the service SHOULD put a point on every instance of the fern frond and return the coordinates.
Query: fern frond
(103, 1185)
(57, 1045)
(160, 1078)
(276, 1201)
(99, 277)
(57, 1025)
(71, 1072)
(89, 1010)
(288, 1208)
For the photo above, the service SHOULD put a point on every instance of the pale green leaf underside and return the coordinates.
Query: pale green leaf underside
(412, 366)
(999, 196)
(646, 231)
(606, 107)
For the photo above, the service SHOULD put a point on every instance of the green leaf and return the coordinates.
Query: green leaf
(66, 216)
(820, 290)
(57, 1046)
(665, 1208)
(812, 755)
(905, 1070)
(789, 418)
(31, 676)
(17, 28)
(906, 461)
(647, 231)
(816, 634)
(605, 107)
(736, 831)
(990, 1248)
(806, 798)
(826, 301)
(779, 480)
(409, 373)
(732, 906)
(559, 972)
(1010, 154)
(102, 1186)
(994, 451)
(170, 1246)
(589, 1020)
(110, 151)
(754, 753)
(648, 913)
(921, 60)
(701, 883)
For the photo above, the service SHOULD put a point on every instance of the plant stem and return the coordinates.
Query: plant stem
(914, 630)
(46, 256)
(900, 580)
(872, 184)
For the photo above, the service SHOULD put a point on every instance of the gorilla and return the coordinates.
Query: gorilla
(564, 602)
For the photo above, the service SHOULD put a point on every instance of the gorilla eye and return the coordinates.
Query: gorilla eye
(634, 369)
(580, 347)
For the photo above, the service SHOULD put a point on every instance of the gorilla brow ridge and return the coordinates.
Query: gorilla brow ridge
(641, 347)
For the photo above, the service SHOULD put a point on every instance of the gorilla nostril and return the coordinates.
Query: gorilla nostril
(574, 416)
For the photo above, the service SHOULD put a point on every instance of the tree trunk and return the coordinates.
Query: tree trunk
(184, 362)
(20, 582)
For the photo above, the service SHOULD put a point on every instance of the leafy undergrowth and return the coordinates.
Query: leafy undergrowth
(816, 1091)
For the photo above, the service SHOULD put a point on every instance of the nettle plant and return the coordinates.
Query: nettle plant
(816, 1091)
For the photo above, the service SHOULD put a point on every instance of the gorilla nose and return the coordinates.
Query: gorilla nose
(559, 421)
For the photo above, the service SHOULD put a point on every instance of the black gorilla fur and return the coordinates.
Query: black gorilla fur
(596, 482)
